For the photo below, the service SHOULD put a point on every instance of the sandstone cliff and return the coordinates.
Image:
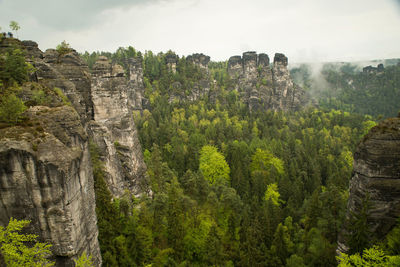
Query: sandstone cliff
(46, 177)
(199, 88)
(104, 101)
(376, 174)
(113, 129)
(260, 85)
(263, 87)
(65, 71)
(45, 168)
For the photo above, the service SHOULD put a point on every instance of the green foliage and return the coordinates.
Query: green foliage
(263, 161)
(346, 89)
(14, 26)
(230, 187)
(63, 48)
(393, 240)
(84, 261)
(64, 98)
(11, 108)
(22, 249)
(371, 257)
(272, 194)
(213, 165)
(13, 68)
(40, 97)
(121, 56)
(359, 238)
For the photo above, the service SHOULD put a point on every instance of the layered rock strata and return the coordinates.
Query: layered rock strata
(46, 177)
(262, 86)
(200, 60)
(45, 170)
(113, 129)
(376, 174)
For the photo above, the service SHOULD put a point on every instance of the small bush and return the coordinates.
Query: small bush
(62, 96)
(40, 98)
(11, 108)
(63, 48)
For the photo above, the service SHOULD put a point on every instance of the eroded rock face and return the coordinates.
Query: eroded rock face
(138, 100)
(376, 174)
(171, 60)
(46, 177)
(45, 170)
(67, 72)
(263, 87)
(200, 60)
(113, 129)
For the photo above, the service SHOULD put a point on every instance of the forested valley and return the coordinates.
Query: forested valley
(226, 185)
(230, 187)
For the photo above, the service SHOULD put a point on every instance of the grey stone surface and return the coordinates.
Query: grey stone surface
(263, 87)
(376, 173)
(113, 129)
(45, 169)
(46, 177)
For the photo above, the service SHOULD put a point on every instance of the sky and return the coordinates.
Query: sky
(304, 30)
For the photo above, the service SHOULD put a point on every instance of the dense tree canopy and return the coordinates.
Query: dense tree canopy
(231, 187)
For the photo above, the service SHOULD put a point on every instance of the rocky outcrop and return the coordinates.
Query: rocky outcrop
(137, 98)
(46, 177)
(67, 72)
(263, 87)
(198, 89)
(199, 60)
(113, 129)
(108, 116)
(171, 59)
(45, 169)
(376, 174)
(74, 70)
(373, 70)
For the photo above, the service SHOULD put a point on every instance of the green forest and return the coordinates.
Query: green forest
(348, 88)
(229, 187)
(226, 186)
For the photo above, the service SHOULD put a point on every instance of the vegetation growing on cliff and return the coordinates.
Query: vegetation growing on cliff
(17, 92)
(279, 201)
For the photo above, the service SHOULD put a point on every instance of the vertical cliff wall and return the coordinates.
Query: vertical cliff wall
(104, 100)
(46, 177)
(113, 129)
(262, 86)
(376, 175)
(45, 168)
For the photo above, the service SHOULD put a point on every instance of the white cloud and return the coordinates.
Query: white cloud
(308, 30)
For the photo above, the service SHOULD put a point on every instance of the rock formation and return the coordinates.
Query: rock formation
(67, 72)
(369, 69)
(45, 169)
(199, 60)
(263, 87)
(199, 88)
(376, 174)
(46, 177)
(113, 129)
(104, 101)
(137, 98)
(171, 59)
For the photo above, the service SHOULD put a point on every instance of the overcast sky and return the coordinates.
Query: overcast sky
(304, 30)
